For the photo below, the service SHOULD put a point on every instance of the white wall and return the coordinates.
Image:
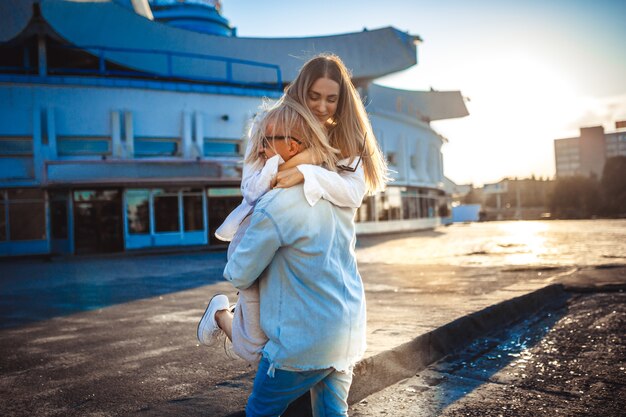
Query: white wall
(410, 140)
(87, 110)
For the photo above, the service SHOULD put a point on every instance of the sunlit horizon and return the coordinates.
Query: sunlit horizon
(533, 72)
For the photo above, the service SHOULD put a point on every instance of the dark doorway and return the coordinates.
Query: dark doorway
(98, 226)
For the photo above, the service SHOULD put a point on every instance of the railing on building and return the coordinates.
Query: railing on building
(106, 68)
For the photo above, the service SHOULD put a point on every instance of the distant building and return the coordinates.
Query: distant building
(585, 155)
(121, 122)
(517, 199)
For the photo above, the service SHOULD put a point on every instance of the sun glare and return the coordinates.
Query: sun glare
(528, 238)
(519, 105)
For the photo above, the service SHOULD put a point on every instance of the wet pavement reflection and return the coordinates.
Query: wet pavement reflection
(485, 357)
(33, 290)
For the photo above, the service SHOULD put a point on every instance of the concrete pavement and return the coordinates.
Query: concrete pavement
(141, 357)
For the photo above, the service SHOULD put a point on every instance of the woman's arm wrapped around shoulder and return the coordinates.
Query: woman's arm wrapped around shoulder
(342, 188)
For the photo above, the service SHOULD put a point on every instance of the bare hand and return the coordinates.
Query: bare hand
(304, 157)
(288, 178)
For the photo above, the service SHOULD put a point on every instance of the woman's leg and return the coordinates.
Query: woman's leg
(224, 319)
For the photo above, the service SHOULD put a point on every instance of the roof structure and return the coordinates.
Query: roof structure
(425, 105)
(133, 41)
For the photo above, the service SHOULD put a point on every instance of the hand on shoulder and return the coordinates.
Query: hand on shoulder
(288, 178)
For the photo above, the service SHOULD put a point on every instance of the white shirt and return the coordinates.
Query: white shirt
(343, 189)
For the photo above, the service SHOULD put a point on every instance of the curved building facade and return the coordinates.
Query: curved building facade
(119, 132)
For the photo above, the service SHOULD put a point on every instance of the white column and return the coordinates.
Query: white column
(186, 139)
(129, 135)
(52, 134)
(37, 145)
(116, 138)
(198, 134)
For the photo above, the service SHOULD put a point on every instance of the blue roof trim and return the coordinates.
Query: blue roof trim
(140, 84)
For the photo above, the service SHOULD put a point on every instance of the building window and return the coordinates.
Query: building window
(221, 147)
(221, 202)
(155, 147)
(392, 159)
(367, 211)
(138, 211)
(166, 211)
(83, 146)
(27, 214)
(389, 204)
(410, 204)
(193, 210)
(16, 146)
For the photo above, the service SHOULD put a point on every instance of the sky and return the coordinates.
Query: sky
(531, 70)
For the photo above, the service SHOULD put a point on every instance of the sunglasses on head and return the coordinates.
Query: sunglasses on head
(349, 168)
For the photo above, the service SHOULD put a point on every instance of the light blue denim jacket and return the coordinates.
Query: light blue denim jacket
(312, 297)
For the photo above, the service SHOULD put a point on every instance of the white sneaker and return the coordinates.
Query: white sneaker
(208, 330)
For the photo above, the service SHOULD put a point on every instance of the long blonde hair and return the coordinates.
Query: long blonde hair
(350, 129)
(290, 116)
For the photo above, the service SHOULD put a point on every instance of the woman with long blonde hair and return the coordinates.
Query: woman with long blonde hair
(324, 85)
(318, 134)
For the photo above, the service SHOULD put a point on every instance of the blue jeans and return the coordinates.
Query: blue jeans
(271, 395)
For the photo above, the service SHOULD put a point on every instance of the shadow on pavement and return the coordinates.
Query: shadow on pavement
(37, 290)
(459, 374)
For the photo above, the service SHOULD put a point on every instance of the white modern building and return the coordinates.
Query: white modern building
(121, 122)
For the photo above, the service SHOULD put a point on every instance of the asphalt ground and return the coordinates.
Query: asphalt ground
(140, 356)
(566, 362)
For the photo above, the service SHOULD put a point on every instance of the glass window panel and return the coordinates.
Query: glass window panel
(166, 214)
(138, 211)
(193, 212)
(26, 194)
(366, 212)
(107, 195)
(83, 146)
(360, 213)
(407, 210)
(423, 207)
(156, 147)
(15, 146)
(224, 192)
(382, 207)
(96, 195)
(27, 221)
(218, 208)
(3, 220)
(394, 203)
(84, 195)
(58, 219)
(220, 148)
